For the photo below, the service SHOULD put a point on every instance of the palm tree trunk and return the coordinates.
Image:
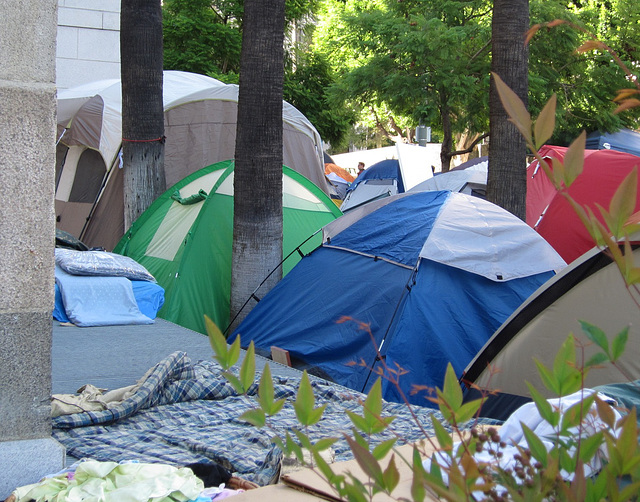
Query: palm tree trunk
(507, 184)
(142, 109)
(257, 225)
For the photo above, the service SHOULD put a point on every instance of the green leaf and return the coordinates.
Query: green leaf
(322, 465)
(544, 407)
(546, 122)
(418, 491)
(358, 421)
(305, 400)
(547, 377)
(596, 360)
(573, 416)
(391, 476)
(452, 392)
(234, 352)
(567, 462)
(574, 159)
(442, 435)
(366, 461)
(383, 448)
(316, 414)
(597, 336)
(589, 446)
(467, 411)
(255, 417)
(217, 341)
(324, 443)
(538, 450)
(305, 442)
(293, 447)
(627, 443)
(619, 343)
(567, 376)
(373, 403)
(514, 107)
(623, 203)
(280, 444)
(248, 368)
(630, 492)
(360, 439)
(266, 395)
(234, 381)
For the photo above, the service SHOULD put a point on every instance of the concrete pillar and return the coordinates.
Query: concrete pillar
(27, 232)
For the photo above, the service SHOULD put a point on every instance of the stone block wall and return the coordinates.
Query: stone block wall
(88, 47)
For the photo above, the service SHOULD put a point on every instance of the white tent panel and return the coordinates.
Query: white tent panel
(466, 235)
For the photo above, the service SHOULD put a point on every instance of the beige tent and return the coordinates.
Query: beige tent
(200, 127)
(590, 289)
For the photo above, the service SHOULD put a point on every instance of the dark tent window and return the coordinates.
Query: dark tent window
(61, 155)
(89, 175)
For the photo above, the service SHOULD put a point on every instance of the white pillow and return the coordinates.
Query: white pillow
(101, 263)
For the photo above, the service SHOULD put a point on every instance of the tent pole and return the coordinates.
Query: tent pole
(105, 180)
(253, 295)
(408, 286)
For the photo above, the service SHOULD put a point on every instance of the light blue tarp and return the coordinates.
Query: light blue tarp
(624, 140)
(374, 268)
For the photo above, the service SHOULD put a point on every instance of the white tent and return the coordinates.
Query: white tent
(200, 128)
(472, 181)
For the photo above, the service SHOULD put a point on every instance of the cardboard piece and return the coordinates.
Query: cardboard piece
(275, 493)
(309, 481)
(308, 486)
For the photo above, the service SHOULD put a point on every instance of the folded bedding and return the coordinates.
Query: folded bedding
(97, 288)
(99, 301)
(149, 297)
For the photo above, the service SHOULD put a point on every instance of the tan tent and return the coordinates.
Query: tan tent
(200, 127)
(590, 289)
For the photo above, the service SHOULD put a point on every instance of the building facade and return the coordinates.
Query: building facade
(88, 44)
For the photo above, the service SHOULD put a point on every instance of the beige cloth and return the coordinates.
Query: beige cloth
(91, 398)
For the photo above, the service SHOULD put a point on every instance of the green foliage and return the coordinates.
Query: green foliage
(416, 60)
(305, 402)
(202, 37)
(307, 86)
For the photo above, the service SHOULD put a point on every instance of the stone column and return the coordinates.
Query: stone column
(27, 233)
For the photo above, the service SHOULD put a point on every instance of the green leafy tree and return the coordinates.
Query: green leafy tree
(204, 37)
(306, 87)
(411, 62)
(584, 82)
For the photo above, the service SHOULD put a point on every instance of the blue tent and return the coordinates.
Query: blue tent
(425, 277)
(380, 180)
(625, 140)
(388, 169)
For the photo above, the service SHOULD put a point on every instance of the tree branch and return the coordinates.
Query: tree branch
(471, 146)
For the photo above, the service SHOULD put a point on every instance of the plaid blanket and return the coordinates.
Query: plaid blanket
(185, 412)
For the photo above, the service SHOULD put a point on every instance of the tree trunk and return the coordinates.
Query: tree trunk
(447, 139)
(142, 109)
(257, 224)
(507, 183)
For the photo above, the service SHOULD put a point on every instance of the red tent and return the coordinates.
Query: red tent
(553, 217)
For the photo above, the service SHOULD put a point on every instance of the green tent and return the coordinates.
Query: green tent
(185, 239)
